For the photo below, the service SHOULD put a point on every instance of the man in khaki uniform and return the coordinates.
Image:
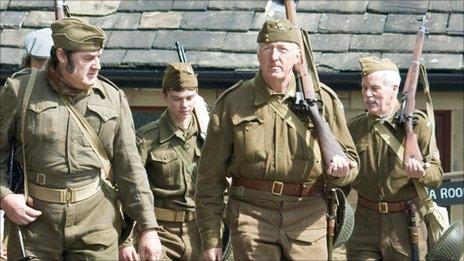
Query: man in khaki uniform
(276, 208)
(384, 185)
(71, 212)
(170, 149)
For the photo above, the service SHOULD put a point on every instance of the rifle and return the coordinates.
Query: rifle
(59, 9)
(408, 99)
(305, 98)
(413, 230)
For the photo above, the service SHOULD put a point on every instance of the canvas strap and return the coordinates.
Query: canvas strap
(25, 103)
(293, 121)
(91, 136)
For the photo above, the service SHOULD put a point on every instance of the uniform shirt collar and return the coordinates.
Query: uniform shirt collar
(263, 92)
(389, 120)
(168, 129)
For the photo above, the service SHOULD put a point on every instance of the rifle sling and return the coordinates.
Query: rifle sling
(25, 103)
(291, 119)
(91, 136)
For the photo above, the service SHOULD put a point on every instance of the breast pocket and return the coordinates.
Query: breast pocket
(363, 149)
(103, 120)
(249, 138)
(46, 120)
(167, 168)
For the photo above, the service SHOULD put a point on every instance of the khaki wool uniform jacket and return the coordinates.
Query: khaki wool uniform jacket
(246, 138)
(57, 153)
(170, 156)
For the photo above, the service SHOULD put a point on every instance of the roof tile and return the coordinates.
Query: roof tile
(241, 42)
(343, 61)
(223, 60)
(191, 40)
(92, 8)
(112, 58)
(12, 19)
(197, 5)
(378, 43)
(11, 56)
(160, 20)
(444, 44)
(144, 5)
(256, 5)
(39, 19)
(31, 5)
(447, 6)
(432, 61)
(330, 42)
(405, 23)
(218, 20)
(456, 24)
(4, 4)
(13, 37)
(332, 6)
(149, 57)
(131, 39)
(398, 7)
(117, 21)
(342, 23)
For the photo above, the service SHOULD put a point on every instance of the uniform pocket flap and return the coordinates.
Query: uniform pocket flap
(308, 236)
(236, 120)
(105, 113)
(39, 106)
(106, 237)
(163, 156)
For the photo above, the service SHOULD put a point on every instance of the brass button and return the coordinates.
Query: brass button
(247, 128)
(164, 157)
(39, 107)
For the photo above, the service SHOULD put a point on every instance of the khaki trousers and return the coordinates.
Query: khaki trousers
(268, 230)
(180, 240)
(378, 236)
(86, 230)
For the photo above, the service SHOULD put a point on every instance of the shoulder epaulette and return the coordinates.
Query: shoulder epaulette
(235, 86)
(21, 72)
(147, 127)
(106, 80)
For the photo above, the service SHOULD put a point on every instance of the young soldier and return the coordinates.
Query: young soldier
(71, 212)
(384, 185)
(276, 209)
(170, 149)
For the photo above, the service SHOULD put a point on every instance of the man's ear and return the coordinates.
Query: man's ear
(60, 54)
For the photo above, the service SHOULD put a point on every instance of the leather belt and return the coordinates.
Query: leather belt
(385, 207)
(278, 187)
(69, 195)
(164, 214)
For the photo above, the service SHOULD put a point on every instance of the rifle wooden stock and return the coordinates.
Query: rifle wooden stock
(59, 9)
(411, 148)
(329, 145)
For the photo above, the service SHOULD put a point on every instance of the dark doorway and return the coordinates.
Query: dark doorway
(443, 134)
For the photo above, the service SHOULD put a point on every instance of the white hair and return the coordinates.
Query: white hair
(390, 78)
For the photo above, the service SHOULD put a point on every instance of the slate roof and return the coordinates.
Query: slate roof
(221, 35)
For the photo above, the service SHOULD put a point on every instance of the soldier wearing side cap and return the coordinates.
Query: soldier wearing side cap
(71, 212)
(276, 209)
(170, 149)
(384, 185)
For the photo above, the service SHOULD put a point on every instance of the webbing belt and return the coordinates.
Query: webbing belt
(70, 195)
(164, 214)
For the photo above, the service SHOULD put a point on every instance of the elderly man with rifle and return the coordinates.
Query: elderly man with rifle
(276, 207)
(387, 225)
(72, 129)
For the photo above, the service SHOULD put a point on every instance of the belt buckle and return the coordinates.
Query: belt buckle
(68, 196)
(383, 207)
(277, 184)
